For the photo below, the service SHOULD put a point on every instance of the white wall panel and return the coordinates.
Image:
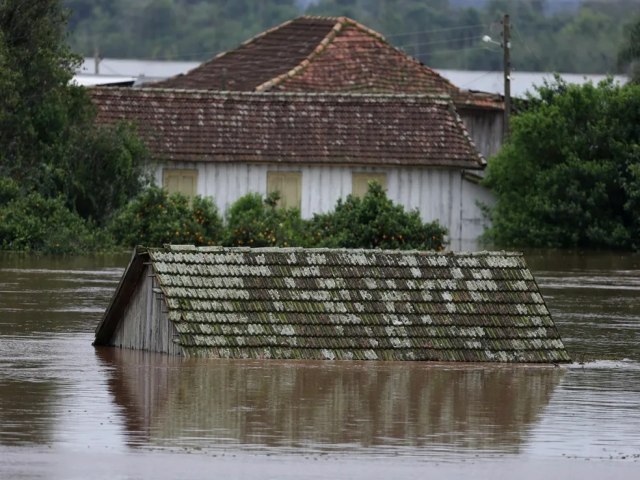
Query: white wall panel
(439, 194)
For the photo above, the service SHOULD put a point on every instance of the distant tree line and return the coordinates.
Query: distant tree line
(442, 34)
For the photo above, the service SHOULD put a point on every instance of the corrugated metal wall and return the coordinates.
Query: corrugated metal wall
(485, 129)
(439, 194)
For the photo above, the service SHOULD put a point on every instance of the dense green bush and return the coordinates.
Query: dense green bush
(49, 142)
(374, 221)
(255, 221)
(104, 167)
(35, 223)
(569, 175)
(154, 218)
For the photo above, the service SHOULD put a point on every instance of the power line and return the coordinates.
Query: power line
(461, 27)
(278, 47)
(437, 42)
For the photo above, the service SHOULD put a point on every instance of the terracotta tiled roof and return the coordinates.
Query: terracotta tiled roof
(339, 129)
(322, 54)
(257, 60)
(350, 304)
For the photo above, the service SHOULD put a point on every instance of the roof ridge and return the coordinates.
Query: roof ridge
(435, 97)
(186, 248)
(226, 52)
(321, 47)
(341, 23)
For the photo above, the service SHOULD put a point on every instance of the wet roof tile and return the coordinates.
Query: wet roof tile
(322, 54)
(341, 308)
(295, 128)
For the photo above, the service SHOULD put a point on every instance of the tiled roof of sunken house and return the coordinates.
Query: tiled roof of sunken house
(323, 54)
(344, 304)
(329, 128)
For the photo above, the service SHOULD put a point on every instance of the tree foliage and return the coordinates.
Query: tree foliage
(569, 175)
(575, 36)
(155, 218)
(254, 221)
(36, 103)
(34, 223)
(48, 140)
(374, 221)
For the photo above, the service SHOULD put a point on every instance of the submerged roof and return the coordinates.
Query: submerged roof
(348, 304)
(322, 54)
(327, 129)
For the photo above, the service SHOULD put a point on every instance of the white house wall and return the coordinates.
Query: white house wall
(439, 194)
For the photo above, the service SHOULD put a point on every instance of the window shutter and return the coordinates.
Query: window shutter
(289, 185)
(180, 181)
(360, 182)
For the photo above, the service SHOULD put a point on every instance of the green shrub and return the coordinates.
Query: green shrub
(374, 221)
(255, 221)
(103, 169)
(49, 140)
(569, 175)
(155, 218)
(36, 223)
(9, 190)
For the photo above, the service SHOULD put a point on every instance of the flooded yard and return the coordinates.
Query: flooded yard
(68, 410)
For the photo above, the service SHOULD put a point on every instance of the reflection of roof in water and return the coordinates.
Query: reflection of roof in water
(168, 401)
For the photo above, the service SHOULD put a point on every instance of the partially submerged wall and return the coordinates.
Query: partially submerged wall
(145, 324)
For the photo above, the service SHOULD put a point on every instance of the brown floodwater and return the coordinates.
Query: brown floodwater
(68, 410)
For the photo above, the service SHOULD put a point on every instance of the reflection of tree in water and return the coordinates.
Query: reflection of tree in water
(170, 401)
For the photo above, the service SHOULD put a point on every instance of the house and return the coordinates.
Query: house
(312, 148)
(338, 54)
(323, 304)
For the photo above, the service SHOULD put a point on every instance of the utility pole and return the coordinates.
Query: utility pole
(96, 61)
(506, 46)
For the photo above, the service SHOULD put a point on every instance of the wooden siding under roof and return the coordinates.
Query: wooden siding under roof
(346, 304)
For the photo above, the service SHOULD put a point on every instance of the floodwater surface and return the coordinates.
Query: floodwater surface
(69, 410)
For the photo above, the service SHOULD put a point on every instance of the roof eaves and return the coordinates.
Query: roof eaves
(190, 248)
(114, 312)
(482, 162)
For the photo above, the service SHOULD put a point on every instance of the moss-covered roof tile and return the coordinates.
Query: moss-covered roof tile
(355, 304)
